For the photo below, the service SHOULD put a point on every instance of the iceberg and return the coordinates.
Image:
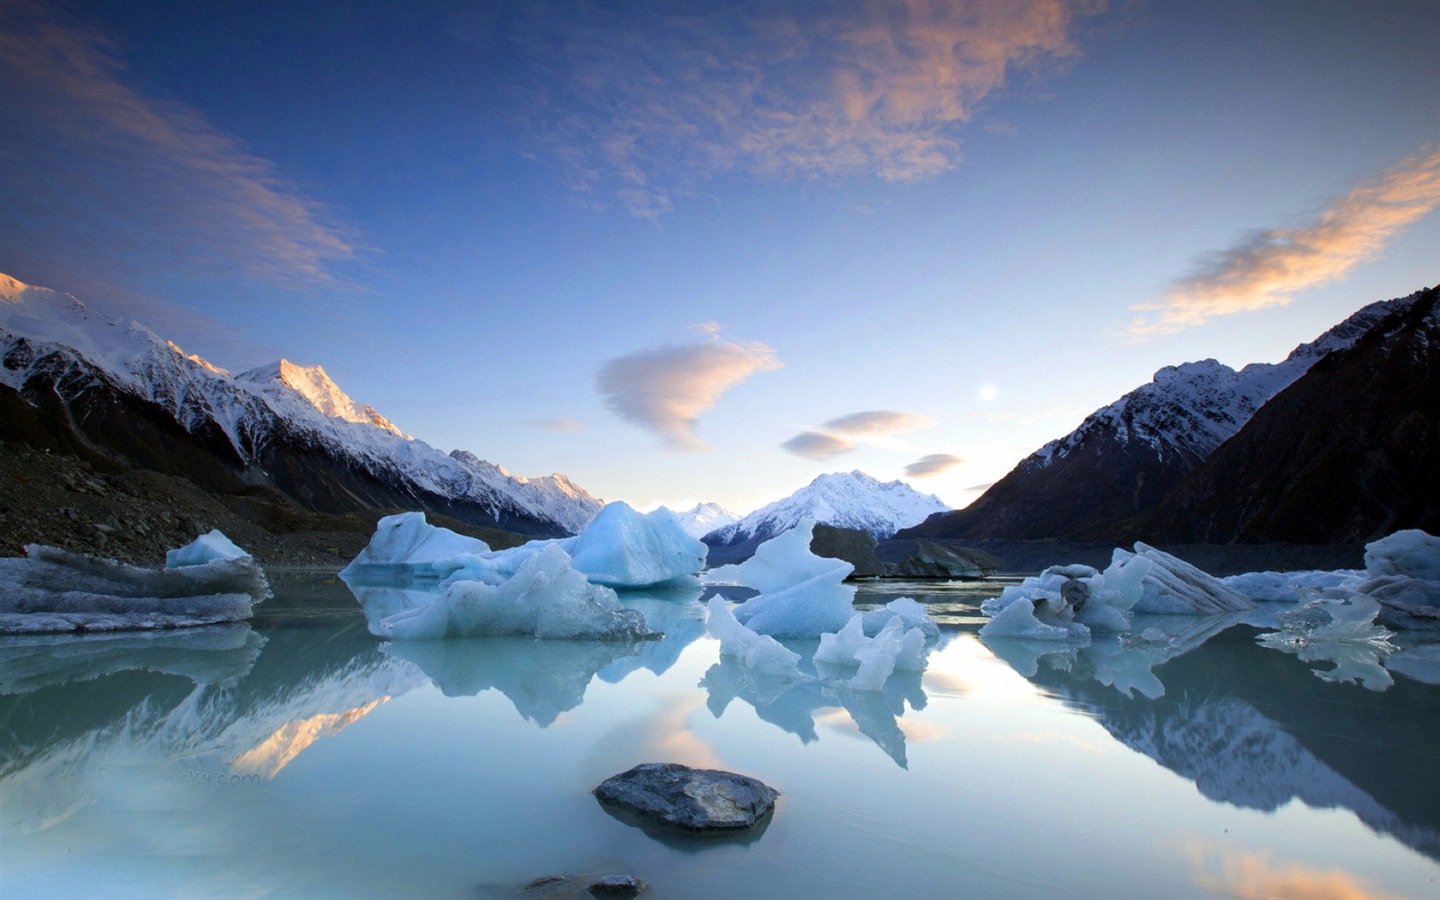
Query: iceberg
(894, 647)
(758, 653)
(622, 548)
(405, 545)
(801, 595)
(56, 590)
(1342, 631)
(1072, 602)
(211, 545)
(546, 598)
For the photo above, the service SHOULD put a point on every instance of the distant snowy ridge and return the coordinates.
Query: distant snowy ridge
(704, 518)
(1189, 410)
(841, 499)
(43, 328)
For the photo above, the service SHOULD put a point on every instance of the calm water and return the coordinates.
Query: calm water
(301, 756)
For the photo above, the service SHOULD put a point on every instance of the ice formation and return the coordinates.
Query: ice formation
(759, 653)
(801, 594)
(407, 545)
(56, 590)
(620, 548)
(211, 545)
(546, 598)
(1066, 602)
(623, 549)
(894, 647)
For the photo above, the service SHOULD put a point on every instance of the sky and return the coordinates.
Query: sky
(688, 252)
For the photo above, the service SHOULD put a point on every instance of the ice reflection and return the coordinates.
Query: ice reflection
(793, 706)
(1255, 729)
(541, 678)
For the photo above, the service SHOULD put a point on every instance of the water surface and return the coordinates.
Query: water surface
(301, 756)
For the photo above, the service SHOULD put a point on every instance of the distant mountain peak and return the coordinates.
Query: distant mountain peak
(316, 386)
(703, 518)
(843, 499)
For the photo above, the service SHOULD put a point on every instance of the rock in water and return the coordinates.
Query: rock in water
(617, 886)
(689, 799)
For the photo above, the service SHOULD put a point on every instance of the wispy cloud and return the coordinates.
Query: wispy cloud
(561, 426)
(107, 177)
(1269, 267)
(667, 388)
(645, 108)
(933, 464)
(817, 445)
(877, 422)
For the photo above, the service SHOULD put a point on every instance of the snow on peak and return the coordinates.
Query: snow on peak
(1190, 409)
(842, 499)
(198, 360)
(312, 383)
(553, 497)
(704, 518)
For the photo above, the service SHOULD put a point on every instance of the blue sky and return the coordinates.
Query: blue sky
(687, 252)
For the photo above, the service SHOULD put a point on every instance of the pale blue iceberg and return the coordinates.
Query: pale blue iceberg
(801, 595)
(211, 545)
(56, 590)
(405, 545)
(621, 548)
(546, 598)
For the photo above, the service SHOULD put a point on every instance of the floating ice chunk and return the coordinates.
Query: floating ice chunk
(546, 598)
(757, 652)
(56, 590)
(1351, 620)
(1411, 553)
(894, 647)
(801, 595)
(622, 548)
(908, 610)
(783, 562)
(1173, 586)
(406, 545)
(211, 545)
(1043, 619)
(1294, 587)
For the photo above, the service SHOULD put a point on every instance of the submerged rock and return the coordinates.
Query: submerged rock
(617, 886)
(702, 800)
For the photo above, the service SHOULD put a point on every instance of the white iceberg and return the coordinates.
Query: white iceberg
(1410, 553)
(407, 545)
(758, 653)
(1342, 631)
(1293, 587)
(546, 598)
(1071, 602)
(56, 590)
(894, 647)
(211, 545)
(621, 548)
(801, 595)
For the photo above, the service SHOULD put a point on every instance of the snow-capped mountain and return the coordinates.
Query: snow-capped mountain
(704, 518)
(282, 425)
(314, 385)
(1099, 482)
(842, 499)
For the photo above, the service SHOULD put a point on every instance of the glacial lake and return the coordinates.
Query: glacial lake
(300, 756)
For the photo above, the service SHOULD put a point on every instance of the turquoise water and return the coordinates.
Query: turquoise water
(299, 756)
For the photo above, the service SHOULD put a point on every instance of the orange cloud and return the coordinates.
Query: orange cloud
(878, 88)
(878, 422)
(933, 464)
(666, 389)
(1270, 266)
(817, 445)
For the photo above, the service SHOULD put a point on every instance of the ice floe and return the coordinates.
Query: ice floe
(57, 590)
(546, 598)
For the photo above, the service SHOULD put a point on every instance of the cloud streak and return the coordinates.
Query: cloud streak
(877, 422)
(817, 445)
(110, 178)
(933, 464)
(666, 389)
(646, 109)
(1269, 267)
